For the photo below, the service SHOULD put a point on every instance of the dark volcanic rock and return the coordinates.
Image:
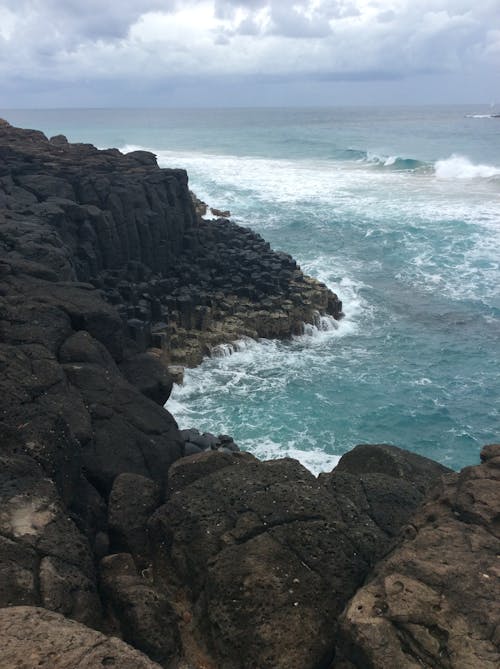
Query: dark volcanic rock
(132, 501)
(147, 374)
(71, 216)
(379, 487)
(391, 461)
(33, 637)
(125, 226)
(434, 601)
(101, 256)
(44, 556)
(130, 432)
(145, 618)
(266, 547)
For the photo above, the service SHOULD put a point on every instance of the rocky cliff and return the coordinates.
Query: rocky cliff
(215, 560)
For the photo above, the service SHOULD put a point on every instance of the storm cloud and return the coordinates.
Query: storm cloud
(64, 45)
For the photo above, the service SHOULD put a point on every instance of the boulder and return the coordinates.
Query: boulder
(434, 600)
(261, 547)
(132, 501)
(34, 637)
(145, 618)
(392, 461)
(149, 376)
(130, 432)
(42, 551)
(379, 487)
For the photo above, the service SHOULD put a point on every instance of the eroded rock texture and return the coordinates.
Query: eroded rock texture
(33, 637)
(434, 601)
(263, 557)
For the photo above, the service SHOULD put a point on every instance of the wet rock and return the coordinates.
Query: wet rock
(177, 373)
(195, 442)
(220, 213)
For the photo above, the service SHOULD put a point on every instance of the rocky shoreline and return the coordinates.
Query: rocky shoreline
(113, 523)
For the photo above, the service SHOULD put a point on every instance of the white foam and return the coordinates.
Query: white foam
(460, 167)
(480, 116)
(424, 381)
(315, 460)
(223, 178)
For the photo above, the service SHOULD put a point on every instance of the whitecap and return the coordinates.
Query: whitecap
(460, 167)
(315, 460)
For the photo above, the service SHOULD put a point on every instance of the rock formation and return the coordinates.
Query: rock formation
(215, 560)
(120, 224)
(434, 600)
(33, 637)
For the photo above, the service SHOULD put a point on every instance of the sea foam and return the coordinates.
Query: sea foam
(460, 167)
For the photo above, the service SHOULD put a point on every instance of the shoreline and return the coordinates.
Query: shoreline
(115, 548)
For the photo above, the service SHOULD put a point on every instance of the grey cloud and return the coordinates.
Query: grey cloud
(92, 19)
(68, 41)
(290, 23)
(386, 17)
(248, 27)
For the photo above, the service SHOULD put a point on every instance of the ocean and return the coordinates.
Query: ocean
(398, 211)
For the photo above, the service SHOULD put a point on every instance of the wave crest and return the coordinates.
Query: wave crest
(395, 162)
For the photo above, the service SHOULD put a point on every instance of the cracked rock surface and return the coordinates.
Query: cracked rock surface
(265, 555)
(434, 601)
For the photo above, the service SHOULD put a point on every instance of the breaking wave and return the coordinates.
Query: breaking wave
(460, 167)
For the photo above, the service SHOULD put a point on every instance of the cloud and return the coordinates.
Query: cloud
(64, 41)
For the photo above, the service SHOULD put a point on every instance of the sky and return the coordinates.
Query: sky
(157, 53)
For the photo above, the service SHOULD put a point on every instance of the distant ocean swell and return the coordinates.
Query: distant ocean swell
(456, 166)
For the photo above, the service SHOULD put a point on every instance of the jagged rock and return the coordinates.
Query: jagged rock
(32, 637)
(195, 442)
(434, 601)
(220, 213)
(177, 373)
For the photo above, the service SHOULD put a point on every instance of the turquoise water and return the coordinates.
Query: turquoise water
(398, 211)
